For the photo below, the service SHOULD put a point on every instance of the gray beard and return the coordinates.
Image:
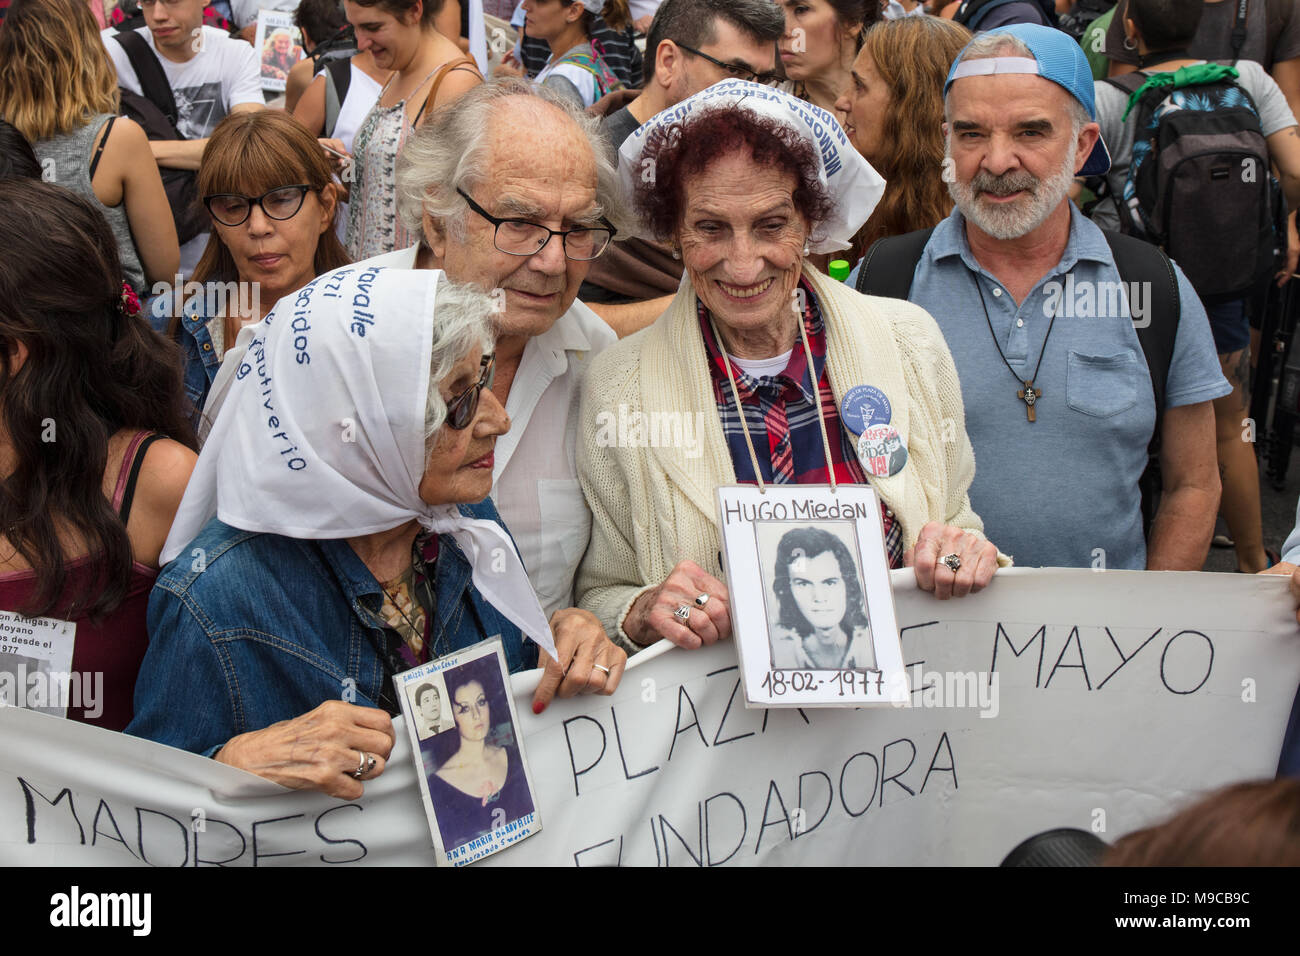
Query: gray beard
(1011, 221)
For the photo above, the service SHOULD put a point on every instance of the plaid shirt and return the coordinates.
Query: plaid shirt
(782, 419)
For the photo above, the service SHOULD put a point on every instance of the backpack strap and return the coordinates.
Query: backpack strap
(889, 265)
(1238, 34)
(153, 81)
(1139, 261)
(337, 80)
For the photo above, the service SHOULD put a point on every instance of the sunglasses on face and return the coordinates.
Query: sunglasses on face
(462, 408)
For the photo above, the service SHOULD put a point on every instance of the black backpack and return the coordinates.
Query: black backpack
(890, 264)
(155, 111)
(1200, 186)
(972, 12)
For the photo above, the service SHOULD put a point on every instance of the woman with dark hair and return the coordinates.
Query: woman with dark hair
(482, 785)
(429, 71)
(95, 448)
(576, 67)
(822, 623)
(268, 189)
(893, 104)
(17, 161)
(762, 351)
(821, 39)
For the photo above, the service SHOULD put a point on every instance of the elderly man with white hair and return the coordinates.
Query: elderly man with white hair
(511, 192)
(1066, 373)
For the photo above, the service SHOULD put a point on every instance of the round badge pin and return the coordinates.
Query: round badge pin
(864, 406)
(881, 451)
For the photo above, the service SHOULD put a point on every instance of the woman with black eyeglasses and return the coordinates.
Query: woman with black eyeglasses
(350, 468)
(267, 187)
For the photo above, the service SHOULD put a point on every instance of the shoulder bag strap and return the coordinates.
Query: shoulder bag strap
(153, 81)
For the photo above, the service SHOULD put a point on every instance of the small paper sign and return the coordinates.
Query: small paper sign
(469, 755)
(279, 46)
(811, 605)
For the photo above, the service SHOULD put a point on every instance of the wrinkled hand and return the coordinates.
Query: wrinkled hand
(651, 616)
(642, 26)
(582, 645)
(979, 559)
(318, 751)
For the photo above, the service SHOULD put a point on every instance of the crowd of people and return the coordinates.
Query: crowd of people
(317, 363)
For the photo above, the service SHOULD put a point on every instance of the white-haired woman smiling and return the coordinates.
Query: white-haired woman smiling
(330, 536)
(782, 366)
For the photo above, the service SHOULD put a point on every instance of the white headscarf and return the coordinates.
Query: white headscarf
(854, 186)
(321, 435)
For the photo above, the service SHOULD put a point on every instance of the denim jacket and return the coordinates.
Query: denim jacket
(201, 359)
(248, 629)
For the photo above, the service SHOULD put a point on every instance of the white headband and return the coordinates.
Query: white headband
(854, 186)
(987, 66)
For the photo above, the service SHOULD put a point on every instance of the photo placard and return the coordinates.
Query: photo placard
(279, 46)
(474, 779)
(812, 611)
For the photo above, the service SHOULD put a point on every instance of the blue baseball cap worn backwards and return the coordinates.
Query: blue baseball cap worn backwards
(1056, 57)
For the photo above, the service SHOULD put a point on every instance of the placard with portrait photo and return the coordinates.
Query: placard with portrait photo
(812, 609)
(474, 778)
(279, 46)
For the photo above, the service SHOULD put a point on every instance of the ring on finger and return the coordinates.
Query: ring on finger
(361, 765)
(701, 600)
(601, 667)
(953, 561)
(683, 613)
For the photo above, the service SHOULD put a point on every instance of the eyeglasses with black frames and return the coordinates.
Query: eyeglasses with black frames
(281, 203)
(519, 237)
(734, 70)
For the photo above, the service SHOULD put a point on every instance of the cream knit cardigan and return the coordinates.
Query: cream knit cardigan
(654, 507)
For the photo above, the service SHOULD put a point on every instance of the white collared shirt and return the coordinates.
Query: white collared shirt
(535, 478)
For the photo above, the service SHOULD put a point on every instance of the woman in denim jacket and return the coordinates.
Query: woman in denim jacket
(356, 435)
(268, 189)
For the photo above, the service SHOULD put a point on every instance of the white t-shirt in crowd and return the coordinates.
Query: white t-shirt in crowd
(223, 73)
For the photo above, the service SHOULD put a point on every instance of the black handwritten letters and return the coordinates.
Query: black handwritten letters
(871, 772)
(157, 838)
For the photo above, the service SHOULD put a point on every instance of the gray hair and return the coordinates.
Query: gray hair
(450, 152)
(461, 322)
(986, 45)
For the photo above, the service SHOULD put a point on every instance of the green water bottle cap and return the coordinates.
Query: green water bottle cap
(839, 269)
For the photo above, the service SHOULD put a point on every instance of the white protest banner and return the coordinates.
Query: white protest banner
(1098, 700)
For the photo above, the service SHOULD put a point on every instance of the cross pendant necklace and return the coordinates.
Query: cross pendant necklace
(1029, 395)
